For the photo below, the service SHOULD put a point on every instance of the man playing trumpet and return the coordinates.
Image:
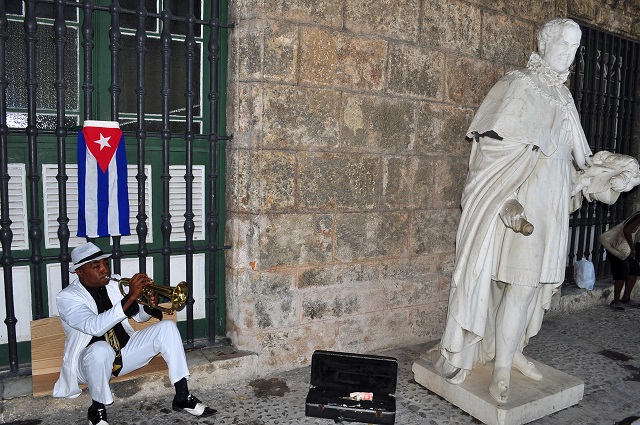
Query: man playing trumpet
(100, 342)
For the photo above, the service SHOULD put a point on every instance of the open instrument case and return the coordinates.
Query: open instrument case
(335, 376)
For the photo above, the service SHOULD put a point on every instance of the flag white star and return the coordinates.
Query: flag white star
(103, 141)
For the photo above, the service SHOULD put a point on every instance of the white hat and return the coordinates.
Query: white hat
(85, 253)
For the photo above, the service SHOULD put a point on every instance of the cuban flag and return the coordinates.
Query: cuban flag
(103, 200)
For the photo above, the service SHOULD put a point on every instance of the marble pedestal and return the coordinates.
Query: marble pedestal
(529, 400)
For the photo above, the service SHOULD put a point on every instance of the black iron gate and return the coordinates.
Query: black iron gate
(604, 87)
(155, 67)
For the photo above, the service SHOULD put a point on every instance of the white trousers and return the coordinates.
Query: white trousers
(96, 360)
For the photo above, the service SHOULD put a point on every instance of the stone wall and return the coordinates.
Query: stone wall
(349, 157)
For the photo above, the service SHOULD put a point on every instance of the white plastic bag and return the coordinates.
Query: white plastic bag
(584, 274)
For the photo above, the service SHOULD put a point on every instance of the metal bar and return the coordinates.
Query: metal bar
(87, 48)
(6, 235)
(190, 46)
(141, 134)
(165, 135)
(212, 215)
(35, 232)
(60, 28)
(127, 253)
(114, 91)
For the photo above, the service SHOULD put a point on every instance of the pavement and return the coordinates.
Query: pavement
(589, 340)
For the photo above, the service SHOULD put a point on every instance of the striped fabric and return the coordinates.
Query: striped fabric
(103, 208)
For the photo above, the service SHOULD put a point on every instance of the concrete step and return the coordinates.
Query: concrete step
(571, 298)
(208, 366)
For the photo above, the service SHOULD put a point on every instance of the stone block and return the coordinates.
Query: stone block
(424, 181)
(278, 180)
(317, 276)
(291, 239)
(371, 235)
(583, 8)
(414, 269)
(280, 52)
(442, 129)
(529, 400)
(450, 177)
(357, 272)
(469, 80)
(248, 42)
(295, 117)
(426, 321)
(613, 20)
(247, 124)
(452, 26)
(318, 12)
(540, 11)
(339, 60)
(243, 187)
(347, 274)
(329, 181)
(289, 348)
(332, 302)
(273, 304)
(416, 71)
(340, 274)
(507, 39)
(402, 176)
(377, 123)
(243, 230)
(245, 9)
(429, 288)
(398, 20)
(434, 231)
(371, 332)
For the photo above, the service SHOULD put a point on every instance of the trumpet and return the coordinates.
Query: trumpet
(177, 295)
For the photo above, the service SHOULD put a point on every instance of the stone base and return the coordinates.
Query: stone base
(528, 400)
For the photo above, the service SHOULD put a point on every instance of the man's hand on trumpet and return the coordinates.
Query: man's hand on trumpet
(137, 282)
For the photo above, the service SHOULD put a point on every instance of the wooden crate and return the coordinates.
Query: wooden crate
(47, 347)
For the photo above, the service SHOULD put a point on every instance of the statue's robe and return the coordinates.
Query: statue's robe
(521, 122)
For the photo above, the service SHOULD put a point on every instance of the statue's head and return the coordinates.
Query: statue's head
(558, 41)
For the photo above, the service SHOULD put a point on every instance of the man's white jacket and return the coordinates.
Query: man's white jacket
(81, 322)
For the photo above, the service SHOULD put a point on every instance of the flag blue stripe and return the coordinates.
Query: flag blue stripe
(82, 157)
(123, 198)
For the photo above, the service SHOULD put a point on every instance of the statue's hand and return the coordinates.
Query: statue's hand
(513, 216)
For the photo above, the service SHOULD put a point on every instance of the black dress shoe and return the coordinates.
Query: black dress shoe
(193, 406)
(97, 416)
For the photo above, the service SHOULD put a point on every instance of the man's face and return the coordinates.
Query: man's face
(560, 51)
(95, 273)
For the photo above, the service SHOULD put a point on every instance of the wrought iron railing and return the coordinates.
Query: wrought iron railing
(603, 83)
(184, 14)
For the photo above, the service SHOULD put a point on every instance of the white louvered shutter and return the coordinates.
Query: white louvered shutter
(178, 204)
(18, 206)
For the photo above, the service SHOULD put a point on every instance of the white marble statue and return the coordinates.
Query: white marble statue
(527, 143)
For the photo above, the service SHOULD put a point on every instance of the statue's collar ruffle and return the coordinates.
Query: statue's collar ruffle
(544, 71)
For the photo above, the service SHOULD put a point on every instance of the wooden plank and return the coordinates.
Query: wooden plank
(47, 347)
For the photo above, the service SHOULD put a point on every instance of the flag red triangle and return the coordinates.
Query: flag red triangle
(102, 142)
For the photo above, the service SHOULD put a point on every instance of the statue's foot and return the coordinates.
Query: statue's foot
(525, 367)
(499, 388)
(452, 374)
